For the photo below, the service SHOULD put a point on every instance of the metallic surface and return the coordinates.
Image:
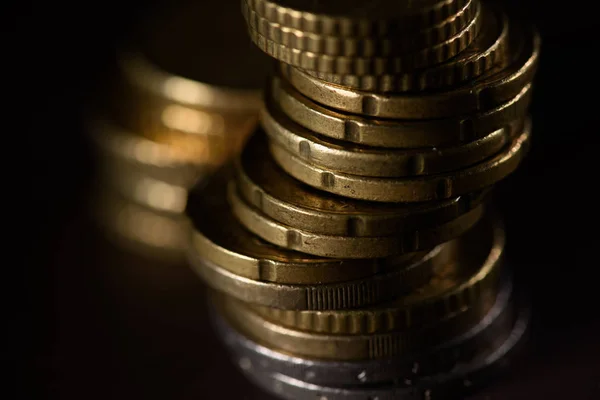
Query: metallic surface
(380, 18)
(348, 247)
(221, 240)
(398, 133)
(478, 97)
(368, 161)
(425, 188)
(371, 65)
(282, 198)
(461, 380)
(470, 277)
(361, 46)
(378, 288)
(252, 355)
(369, 347)
(487, 51)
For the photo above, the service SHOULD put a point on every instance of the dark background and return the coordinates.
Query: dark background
(81, 328)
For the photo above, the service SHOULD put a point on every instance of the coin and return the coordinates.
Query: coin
(269, 189)
(381, 18)
(498, 85)
(425, 39)
(356, 373)
(349, 158)
(152, 115)
(378, 288)
(221, 240)
(370, 65)
(140, 229)
(496, 325)
(398, 133)
(347, 247)
(471, 277)
(165, 56)
(118, 148)
(487, 51)
(422, 188)
(456, 383)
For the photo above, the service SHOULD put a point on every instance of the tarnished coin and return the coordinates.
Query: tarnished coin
(354, 159)
(356, 18)
(470, 278)
(333, 45)
(487, 51)
(343, 246)
(422, 188)
(273, 192)
(398, 133)
(499, 85)
(165, 57)
(371, 65)
(221, 240)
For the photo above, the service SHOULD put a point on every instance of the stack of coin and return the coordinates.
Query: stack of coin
(185, 96)
(352, 246)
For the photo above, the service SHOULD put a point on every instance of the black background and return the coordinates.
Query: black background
(77, 332)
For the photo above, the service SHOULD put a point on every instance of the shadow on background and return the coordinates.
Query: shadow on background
(94, 322)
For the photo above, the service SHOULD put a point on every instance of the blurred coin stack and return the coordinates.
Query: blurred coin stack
(351, 246)
(183, 99)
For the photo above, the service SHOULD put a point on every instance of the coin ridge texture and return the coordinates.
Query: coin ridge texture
(485, 52)
(338, 24)
(369, 65)
(435, 301)
(361, 46)
(286, 200)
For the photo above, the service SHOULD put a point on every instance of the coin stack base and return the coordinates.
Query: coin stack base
(351, 247)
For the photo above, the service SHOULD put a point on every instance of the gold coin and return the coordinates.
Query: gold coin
(499, 85)
(119, 148)
(378, 288)
(361, 346)
(134, 185)
(398, 133)
(221, 240)
(356, 18)
(191, 57)
(370, 65)
(347, 246)
(286, 200)
(350, 158)
(488, 51)
(471, 277)
(153, 115)
(361, 46)
(422, 188)
(138, 228)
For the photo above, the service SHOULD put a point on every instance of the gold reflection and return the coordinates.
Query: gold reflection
(192, 121)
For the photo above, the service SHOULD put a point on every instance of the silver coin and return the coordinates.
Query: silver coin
(495, 326)
(454, 384)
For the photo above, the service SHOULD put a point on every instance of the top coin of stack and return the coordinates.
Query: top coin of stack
(184, 97)
(355, 244)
